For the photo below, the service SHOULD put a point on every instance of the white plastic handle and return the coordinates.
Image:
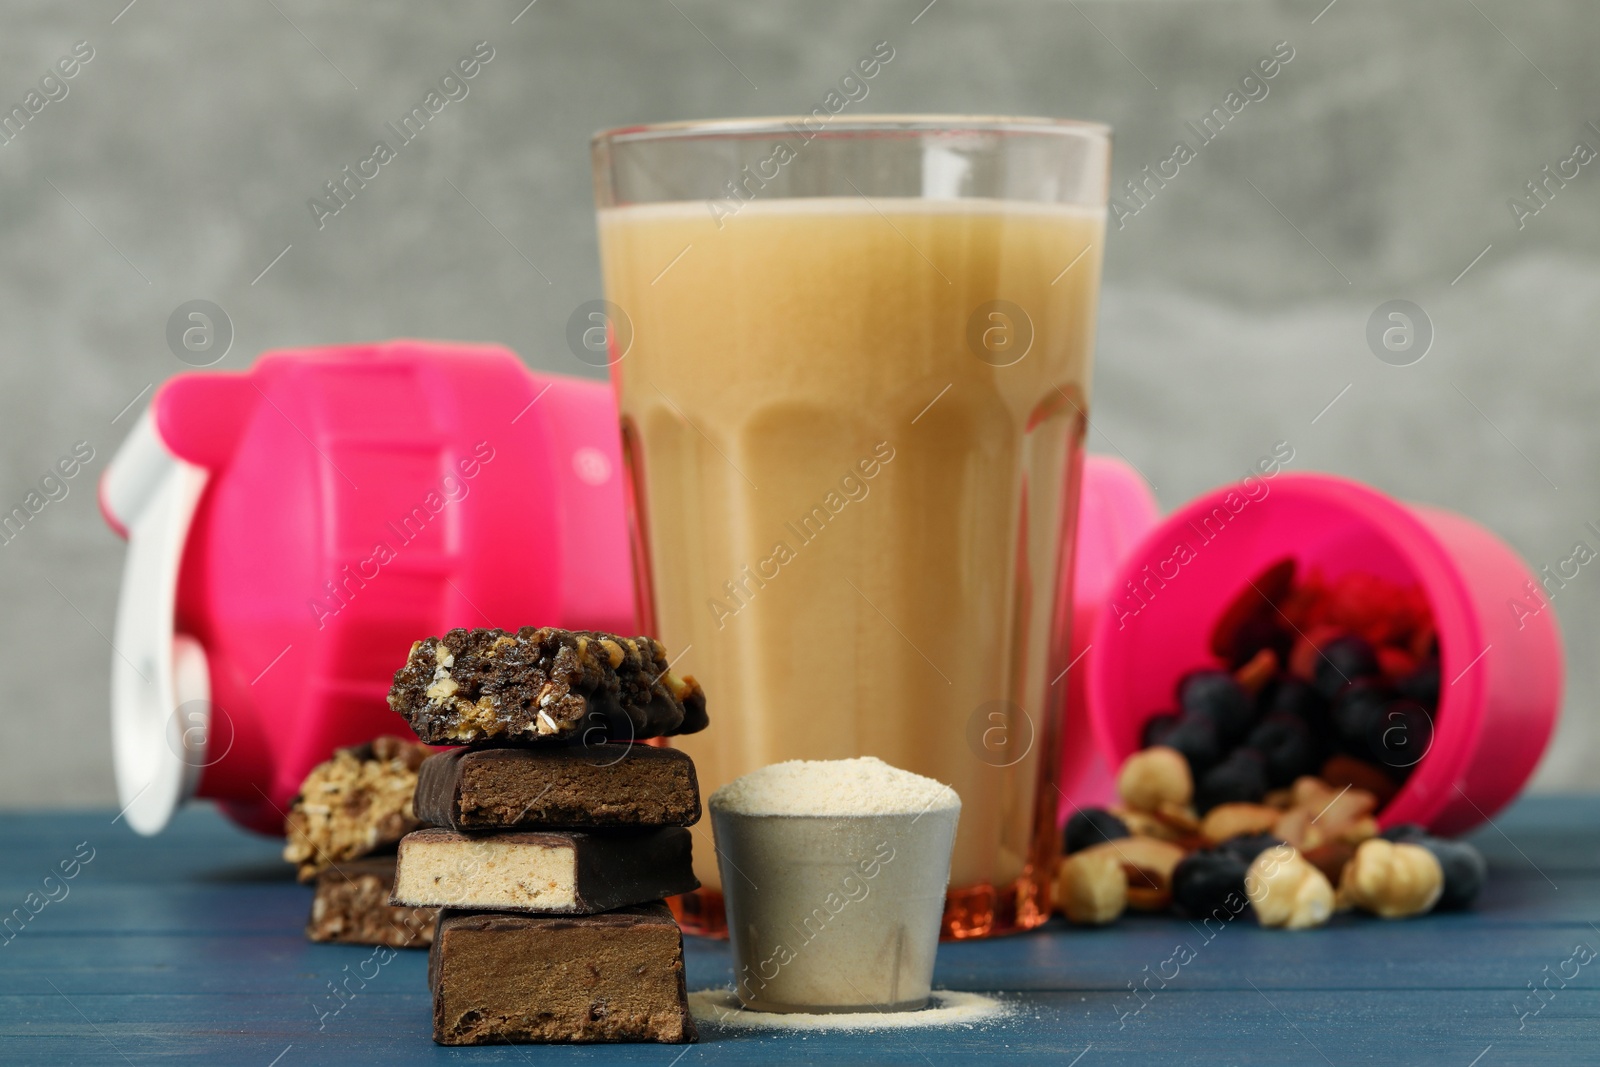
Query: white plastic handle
(160, 683)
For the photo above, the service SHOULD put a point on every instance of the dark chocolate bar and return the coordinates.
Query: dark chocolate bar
(554, 872)
(543, 685)
(352, 906)
(565, 787)
(514, 979)
(354, 804)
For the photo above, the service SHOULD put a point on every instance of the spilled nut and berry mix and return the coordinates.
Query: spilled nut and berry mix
(1261, 790)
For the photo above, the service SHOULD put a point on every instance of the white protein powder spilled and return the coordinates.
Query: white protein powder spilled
(720, 1007)
(863, 786)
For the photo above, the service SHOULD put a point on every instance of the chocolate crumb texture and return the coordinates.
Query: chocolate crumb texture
(352, 907)
(357, 803)
(543, 685)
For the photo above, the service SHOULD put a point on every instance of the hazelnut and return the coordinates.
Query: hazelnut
(1091, 887)
(1148, 865)
(1391, 880)
(1235, 820)
(1287, 891)
(1155, 777)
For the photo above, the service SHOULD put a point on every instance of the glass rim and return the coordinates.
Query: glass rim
(857, 126)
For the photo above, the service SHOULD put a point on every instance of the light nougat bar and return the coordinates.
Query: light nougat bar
(557, 872)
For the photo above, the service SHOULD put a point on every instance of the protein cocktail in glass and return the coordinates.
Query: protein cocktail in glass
(852, 362)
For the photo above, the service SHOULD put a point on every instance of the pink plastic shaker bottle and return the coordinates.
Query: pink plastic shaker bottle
(293, 528)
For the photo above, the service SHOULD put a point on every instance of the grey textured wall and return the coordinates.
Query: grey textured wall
(1378, 166)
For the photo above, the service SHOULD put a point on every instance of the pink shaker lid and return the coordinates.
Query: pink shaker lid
(293, 528)
(1499, 644)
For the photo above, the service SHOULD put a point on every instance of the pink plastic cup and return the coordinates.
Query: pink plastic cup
(1499, 645)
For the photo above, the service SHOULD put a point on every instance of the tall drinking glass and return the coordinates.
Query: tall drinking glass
(852, 362)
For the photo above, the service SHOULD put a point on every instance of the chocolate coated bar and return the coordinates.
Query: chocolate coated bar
(352, 906)
(555, 872)
(544, 684)
(499, 978)
(558, 786)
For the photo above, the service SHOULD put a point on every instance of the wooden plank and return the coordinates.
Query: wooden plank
(1270, 1028)
(1360, 954)
(187, 947)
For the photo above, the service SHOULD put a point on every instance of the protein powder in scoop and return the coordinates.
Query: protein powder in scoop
(834, 876)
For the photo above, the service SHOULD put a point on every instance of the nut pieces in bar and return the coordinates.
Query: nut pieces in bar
(539, 685)
(354, 804)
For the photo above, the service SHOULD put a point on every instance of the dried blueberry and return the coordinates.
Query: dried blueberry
(1156, 728)
(1286, 745)
(1342, 661)
(1292, 695)
(1241, 778)
(1404, 833)
(1400, 736)
(1092, 826)
(1358, 712)
(1464, 867)
(1248, 846)
(1422, 684)
(1299, 698)
(1210, 885)
(1464, 871)
(1196, 737)
(1218, 696)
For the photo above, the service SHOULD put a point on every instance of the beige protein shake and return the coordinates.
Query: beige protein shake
(850, 426)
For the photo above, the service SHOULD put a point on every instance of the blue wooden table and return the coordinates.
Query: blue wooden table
(188, 947)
